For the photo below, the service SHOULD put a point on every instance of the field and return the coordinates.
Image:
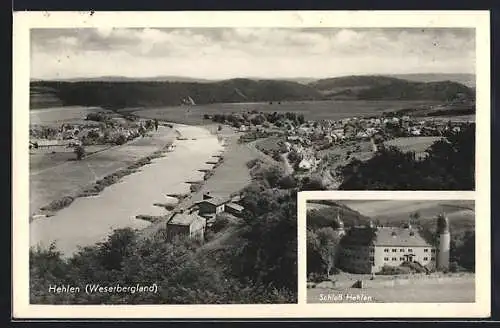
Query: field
(312, 110)
(450, 290)
(269, 145)
(55, 116)
(397, 208)
(41, 159)
(54, 178)
(415, 144)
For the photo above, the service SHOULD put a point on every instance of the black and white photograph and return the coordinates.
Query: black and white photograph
(392, 251)
(161, 156)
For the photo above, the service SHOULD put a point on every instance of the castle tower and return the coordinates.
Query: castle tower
(443, 251)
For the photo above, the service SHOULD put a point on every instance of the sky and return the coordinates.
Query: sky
(221, 53)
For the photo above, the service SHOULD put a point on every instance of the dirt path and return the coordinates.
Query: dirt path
(286, 163)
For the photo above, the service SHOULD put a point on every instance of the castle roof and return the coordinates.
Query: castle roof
(384, 236)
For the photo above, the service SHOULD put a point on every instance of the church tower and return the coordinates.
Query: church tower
(443, 251)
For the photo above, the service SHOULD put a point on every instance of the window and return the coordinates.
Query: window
(386, 259)
(402, 250)
(394, 250)
(401, 258)
(394, 259)
(426, 250)
(433, 250)
(433, 258)
(372, 259)
(426, 258)
(372, 250)
(386, 250)
(410, 250)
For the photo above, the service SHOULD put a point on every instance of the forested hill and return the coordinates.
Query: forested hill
(153, 93)
(125, 93)
(375, 87)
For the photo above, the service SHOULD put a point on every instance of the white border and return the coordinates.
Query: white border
(24, 21)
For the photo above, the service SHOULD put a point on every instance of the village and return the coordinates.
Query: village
(97, 129)
(304, 145)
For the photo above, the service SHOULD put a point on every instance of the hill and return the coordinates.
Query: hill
(112, 78)
(378, 87)
(468, 80)
(120, 92)
(326, 215)
(157, 93)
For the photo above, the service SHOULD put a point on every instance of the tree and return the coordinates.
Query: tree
(79, 152)
(449, 166)
(328, 241)
(300, 119)
(414, 217)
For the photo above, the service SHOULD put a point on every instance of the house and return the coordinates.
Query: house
(234, 209)
(305, 164)
(186, 224)
(211, 205)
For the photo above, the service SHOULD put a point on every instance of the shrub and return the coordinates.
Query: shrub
(58, 204)
(251, 163)
(316, 277)
(392, 270)
(287, 182)
(120, 139)
(220, 223)
(80, 152)
(414, 267)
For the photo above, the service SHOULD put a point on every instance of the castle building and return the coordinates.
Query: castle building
(368, 249)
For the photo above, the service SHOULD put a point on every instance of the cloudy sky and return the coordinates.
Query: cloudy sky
(220, 53)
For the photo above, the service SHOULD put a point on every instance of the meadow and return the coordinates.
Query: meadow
(415, 144)
(387, 211)
(312, 110)
(55, 116)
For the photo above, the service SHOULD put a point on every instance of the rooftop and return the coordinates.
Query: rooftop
(214, 200)
(184, 219)
(235, 206)
(384, 236)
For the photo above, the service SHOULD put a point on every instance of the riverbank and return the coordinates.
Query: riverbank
(89, 220)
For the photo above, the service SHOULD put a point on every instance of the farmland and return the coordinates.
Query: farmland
(55, 116)
(312, 110)
(414, 144)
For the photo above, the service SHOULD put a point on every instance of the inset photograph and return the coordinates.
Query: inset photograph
(377, 251)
